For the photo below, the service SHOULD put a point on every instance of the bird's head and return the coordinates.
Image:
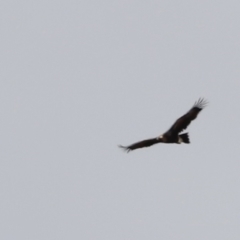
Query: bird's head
(160, 137)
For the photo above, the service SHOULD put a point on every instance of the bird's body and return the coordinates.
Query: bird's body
(173, 134)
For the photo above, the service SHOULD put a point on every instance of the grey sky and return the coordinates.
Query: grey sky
(80, 77)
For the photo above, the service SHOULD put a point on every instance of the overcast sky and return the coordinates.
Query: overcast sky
(80, 77)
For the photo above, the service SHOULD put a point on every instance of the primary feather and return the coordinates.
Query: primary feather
(141, 144)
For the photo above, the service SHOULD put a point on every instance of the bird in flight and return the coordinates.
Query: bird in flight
(173, 134)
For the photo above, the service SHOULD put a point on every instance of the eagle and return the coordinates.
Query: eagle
(173, 134)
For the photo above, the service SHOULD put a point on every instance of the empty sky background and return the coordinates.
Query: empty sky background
(80, 77)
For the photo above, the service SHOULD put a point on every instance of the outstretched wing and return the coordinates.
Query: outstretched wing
(141, 144)
(183, 122)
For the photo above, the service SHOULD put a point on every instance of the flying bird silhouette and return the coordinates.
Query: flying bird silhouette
(172, 135)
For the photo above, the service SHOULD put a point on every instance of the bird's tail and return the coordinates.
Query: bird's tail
(184, 138)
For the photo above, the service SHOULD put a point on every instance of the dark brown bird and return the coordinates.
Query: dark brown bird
(172, 135)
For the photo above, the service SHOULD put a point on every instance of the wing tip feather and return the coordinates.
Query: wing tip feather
(201, 103)
(124, 148)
